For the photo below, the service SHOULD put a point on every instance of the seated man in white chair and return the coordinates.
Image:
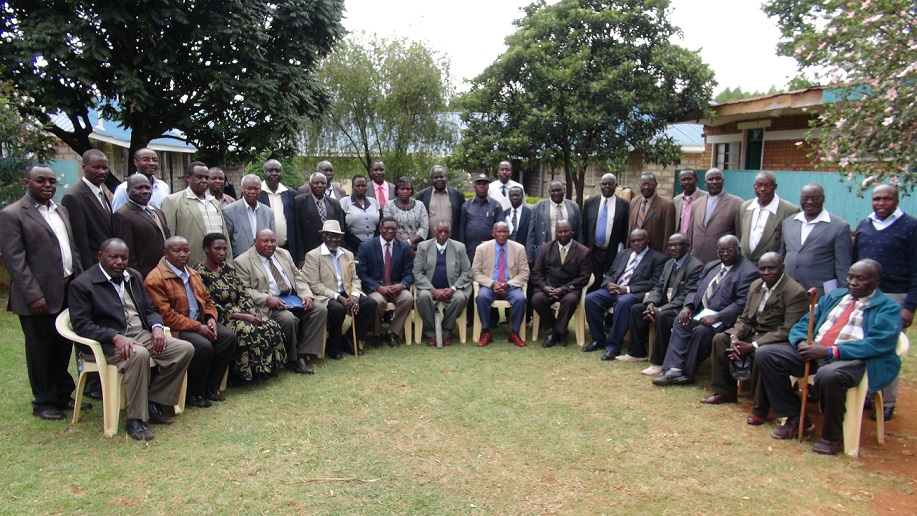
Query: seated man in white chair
(442, 273)
(109, 304)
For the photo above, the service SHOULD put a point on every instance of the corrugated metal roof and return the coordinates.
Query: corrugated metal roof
(686, 134)
(109, 130)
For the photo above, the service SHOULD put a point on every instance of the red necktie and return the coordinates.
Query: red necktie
(380, 194)
(387, 278)
(839, 323)
(501, 267)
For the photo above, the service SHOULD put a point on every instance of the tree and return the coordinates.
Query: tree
(729, 94)
(388, 101)
(21, 143)
(866, 50)
(585, 81)
(234, 77)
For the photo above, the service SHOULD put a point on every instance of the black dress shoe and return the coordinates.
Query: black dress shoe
(48, 414)
(548, 342)
(594, 346)
(245, 377)
(377, 341)
(156, 415)
(337, 355)
(96, 395)
(392, 339)
(69, 404)
(198, 401)
(563, 341)
(360, 352)
(887, 413)
(608, 356)
(214, 396)
(138, 431)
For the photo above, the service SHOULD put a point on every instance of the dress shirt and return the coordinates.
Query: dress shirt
(273, 289)
(96, 191)
(563, 215)
(767, 293)
(880, 224)
(280, 219)
(497, 248)
(253, 216)
(495, 192)
(440, 248)
(213, 219)
(193, 307)
(807, 226)
(336, 258)
(687, 202)
(759, 219)
(712, 201)
(440, 209)
(54, 219)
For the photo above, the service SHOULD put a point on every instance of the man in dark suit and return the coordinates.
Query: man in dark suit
(775, 303)
(630, 277)
(712, 217)
(280, 198)
(386, 269)
(109, 304)
(605, 220)
(562, 269)
(679, 277)
(759, 223)
(652, 213)
(715, 305)
(89, 207)
(333, 191)
(379, 188)
(442, 202)
(519, 216)
(241, 214)
(141, 226)
(312, 210)
(545, 215)
(816, 245)
(40, 253)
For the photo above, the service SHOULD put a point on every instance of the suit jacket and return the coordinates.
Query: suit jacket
(618, 227)
(167, 291)
(143, 237)
(90, 221)
(456, 199)
(458, 266)
(679, 200)
(659, 222)
(239, 227)
(371, 268)
(521, 232)
(573, 274)
(782, 310)
(184, 219)
(644, 277)
(540, 232)
(339, 192)
(371, 190)
(321, 275)
(722, 222)
(96, 310)
(731, 294)
(289, 213)
(482, 268)
(255, 277)
(308, 222)
(773, 228)
(32, 256)
(826, 255)
(685, 281)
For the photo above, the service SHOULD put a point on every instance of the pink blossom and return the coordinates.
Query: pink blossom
(888, 121)
(840, 123)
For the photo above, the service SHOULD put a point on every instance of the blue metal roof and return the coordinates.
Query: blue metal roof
(686, 134)
(115, 130)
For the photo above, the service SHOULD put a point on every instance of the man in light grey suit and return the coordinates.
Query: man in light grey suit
(712, 217)
(759, 223)
(546, 214)
(246, 216)
(816, 246)
(442, 272)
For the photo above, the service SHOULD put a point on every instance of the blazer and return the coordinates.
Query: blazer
(618, 226)
(251, 271)
(773, 228)
(722, 222)
(339, 192)
(167, 291)
(482, 268)
(371, 268)
(321, 275)
(659, 222)
(239, 227)
(826, 255)
(540, 232)
(573, 274)
(782, 310)
(679, 200)
(645, 276)
(308, 223)
(96, 310)
(371, 190)
(731, 294)
(458, 266)
(456, 199)
(521, 232)
(143, 237)
(289, 213)
(91, 223)
(184, 219)
(685, 281)
(32, 256)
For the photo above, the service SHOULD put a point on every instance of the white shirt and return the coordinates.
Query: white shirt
(759, 219)
(280, 219)
(95, 192)
(495, 192)
(54, 219)
(807, 226)
(253, 216)
(562, 208)
(272, 288)
(882, 224)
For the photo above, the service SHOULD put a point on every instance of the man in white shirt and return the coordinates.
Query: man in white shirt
(147, 163)
(759, 223)
(247, 215)
(499, 189)
(280, 199)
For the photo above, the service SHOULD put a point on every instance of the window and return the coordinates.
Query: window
(754, 148)
(726, 155)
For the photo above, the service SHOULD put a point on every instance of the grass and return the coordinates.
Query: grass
(415, 430)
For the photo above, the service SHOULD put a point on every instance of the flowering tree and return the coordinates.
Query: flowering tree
(869, 49)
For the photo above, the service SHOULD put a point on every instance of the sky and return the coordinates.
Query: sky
(735, 38)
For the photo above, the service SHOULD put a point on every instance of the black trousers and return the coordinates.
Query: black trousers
(47, 355)
(640, 333)
(210, 361)
(336, 315)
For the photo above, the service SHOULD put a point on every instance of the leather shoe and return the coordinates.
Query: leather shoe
(609, 356)
(447, 341)
(888, 413)
(755, 420)
(790, 429)
(563, 340)
(301, 367)
(485, 339)
(671, 377)
(48, 414)
(336, 355)
(157, 417)
(244, 377)
(70, 403)
(198, 401)
(392, 339)
(96, 395)
(431, 341)
(719, 399)
(360, 352)
(589, 348)
(214, 396)
(138, 431)
(548, 342)
(377, 341)
(515, 339)
(826, 447)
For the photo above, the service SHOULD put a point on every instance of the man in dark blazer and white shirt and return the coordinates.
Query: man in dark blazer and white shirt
(40, 253)
(712, 308)
(519, 216)
(561, 272)
(712, 217)
(604, 242)
(280, 198)
(652, 213)
(545, 215)
(440, 194)
(816, 247)
(387, 285)
(241, 213)
(631, 276)
(89, 207)
(309, 221)
(759, 223)
(141, 226)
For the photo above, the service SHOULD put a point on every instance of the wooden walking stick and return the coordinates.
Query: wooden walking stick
(813, 299)
(353, 319)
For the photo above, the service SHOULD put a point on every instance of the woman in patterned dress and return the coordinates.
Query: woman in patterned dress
(411, 216)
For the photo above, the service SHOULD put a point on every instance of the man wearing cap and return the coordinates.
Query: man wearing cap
(479, 214)
(334, 282)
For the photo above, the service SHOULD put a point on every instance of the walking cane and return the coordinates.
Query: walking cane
(813, 298)
(353, 319)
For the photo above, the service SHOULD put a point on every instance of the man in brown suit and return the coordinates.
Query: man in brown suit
(712, 217)
(561, 272)
(40, 253)
(141, 226)
(652, 214)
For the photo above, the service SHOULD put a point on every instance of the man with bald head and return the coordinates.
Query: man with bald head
(247, 215)
(280, 198)
(712, 217)
(855, 330)
(605, 219)
(313, 209)
(147, 163)
(545, 215)
(443, 202)
(141, 226)
(759, 222)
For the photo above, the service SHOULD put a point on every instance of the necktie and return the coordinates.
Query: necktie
(602, 225)
(559, 212)
(835, 330)
(711, 289)
(629, 270)
(321, 210)
(104, 200)
(685, 214)
(193, 306)
(387, 277)
(563, 254)
(501, 266)
(278, 278)
(514, 224)
(641, 215)
(149, 211)
(670, 285)
(380, 194)
(503, 189)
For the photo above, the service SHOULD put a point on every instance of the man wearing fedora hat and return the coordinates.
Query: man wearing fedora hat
(336, 286)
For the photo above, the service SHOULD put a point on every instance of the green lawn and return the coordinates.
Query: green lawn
(415, 430)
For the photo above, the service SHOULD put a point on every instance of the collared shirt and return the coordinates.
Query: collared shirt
(851, 331)
(495, 192)
(638, 256)
(381, 191)
(193, 307)
(56, 221)
(880, 224)
(119, 287)
(224, 200)
(565, 248)
(280, 219)
(441, 248)
(273, 289)
(160, 191)
(497, 248)
(562, 208)
(336, 259)
(712, 201)
(361, 221)
(759, 218)
(807, 226)
(213, 218)
(478, 221)
(253, 216)
(767, 292)
(440, 209)
(96, 191)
